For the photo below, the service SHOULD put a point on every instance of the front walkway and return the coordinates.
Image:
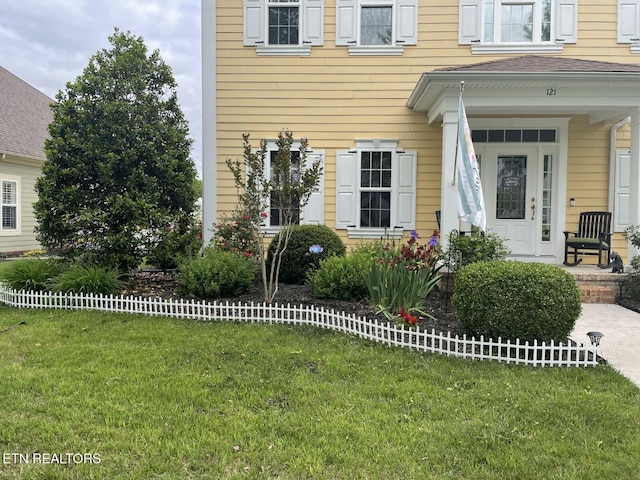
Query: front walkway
(620, 346)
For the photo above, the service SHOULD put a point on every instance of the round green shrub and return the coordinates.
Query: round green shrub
(31, 274)
(475, 247)
(341, 277)
(88, 279)
(297, 260)
(529, 301)
(216, 274)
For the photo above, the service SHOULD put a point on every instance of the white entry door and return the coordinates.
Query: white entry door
(510, 184)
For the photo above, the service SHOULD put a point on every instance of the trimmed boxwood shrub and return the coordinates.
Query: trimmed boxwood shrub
(341, 277)
(216, 274)
(297, 260)
(475, 247)
(529, 301)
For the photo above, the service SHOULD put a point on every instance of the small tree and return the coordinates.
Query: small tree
(289, 183)
(118, 171)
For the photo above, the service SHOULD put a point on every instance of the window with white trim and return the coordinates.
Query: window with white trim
(9, 205)
(376, 27)
(629, 23)
(313, 211)
(375, 189)
(517, 26)
(283, 27)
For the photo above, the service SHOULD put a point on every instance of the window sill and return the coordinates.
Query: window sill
(505, 49)
(376, 50)
(284, 51)
(375, 233)
(635, 48)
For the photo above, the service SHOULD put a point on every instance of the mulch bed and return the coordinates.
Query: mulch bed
(163, 285)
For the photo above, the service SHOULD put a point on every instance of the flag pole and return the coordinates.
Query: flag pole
(455, 159)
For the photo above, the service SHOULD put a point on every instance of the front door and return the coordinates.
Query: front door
(510, 183)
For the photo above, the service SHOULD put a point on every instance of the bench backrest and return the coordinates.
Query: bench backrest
(592, 224)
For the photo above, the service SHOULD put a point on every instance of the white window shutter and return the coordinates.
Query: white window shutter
(404, 202)
(407, 22)
(469, 22)
(347, 176)
(622, 186)
(346, 22)
(254, 22)
(628, 21)
(566, 21)
(313, 211)
(313, 22)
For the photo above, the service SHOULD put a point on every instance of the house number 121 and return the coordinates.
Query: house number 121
(551, 92)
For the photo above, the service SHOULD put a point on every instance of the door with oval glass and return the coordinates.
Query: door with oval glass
(509, 180)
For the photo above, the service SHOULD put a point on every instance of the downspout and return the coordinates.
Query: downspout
(209, 131)
(613, 163)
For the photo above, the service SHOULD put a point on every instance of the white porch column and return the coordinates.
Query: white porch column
(634, 180)
(449, 192)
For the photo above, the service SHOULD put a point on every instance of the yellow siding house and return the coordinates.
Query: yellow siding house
(551, 90)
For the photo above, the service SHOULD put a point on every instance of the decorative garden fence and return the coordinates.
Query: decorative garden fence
(387, 333)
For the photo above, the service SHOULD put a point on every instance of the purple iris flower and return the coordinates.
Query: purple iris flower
(414, 234)
(433, 241)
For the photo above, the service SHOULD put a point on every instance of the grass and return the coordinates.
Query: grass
(172, 399)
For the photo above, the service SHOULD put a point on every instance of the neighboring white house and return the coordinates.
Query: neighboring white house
(25, 114)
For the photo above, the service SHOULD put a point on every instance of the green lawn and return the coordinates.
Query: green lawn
(173, 399)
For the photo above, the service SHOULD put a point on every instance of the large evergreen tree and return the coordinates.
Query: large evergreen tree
(118, 171)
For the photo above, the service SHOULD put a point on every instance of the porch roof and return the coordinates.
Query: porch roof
(532, 85)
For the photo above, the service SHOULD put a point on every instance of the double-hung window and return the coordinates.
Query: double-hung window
(9, 206)
(517, 26)
(376, 27)
(312, 212)
(283, 27)
(375, 189)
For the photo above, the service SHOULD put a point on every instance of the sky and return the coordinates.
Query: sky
(48, 43)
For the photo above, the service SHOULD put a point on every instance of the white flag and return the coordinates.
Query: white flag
(470, 199)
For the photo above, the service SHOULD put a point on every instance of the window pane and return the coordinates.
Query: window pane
(375, 209)
(546, 21)
(516, 23)
(547, 135)
(376, 26)
(283, 25)
(513, 136)
(9, 218)
(496, 136)
(530, 135)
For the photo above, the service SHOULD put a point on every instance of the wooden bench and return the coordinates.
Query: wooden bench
(592, 238)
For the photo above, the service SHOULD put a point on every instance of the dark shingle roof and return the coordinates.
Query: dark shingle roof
(24, 116)
(539, 64)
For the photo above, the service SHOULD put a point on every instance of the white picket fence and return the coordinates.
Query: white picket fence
(391, 334)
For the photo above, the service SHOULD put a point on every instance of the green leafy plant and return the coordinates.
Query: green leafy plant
(529, 301)
(298, 259)
(475, 247)
(118, 170)
(175, 245)
(30, 274)
(632, 282)
(340, 277)
(400, 280)
(216, 274)
(239, 234)
(87, 279)
(291, 183)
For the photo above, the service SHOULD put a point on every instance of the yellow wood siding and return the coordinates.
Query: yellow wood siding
(333, 99)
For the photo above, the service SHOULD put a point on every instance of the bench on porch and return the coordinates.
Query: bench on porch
(592, 238)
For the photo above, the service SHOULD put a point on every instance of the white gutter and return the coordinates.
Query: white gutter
(209, 132)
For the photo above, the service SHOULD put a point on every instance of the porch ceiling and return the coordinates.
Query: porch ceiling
(605, 96)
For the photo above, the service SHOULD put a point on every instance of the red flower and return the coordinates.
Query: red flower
(247, 253)
(264, 215)
(411, 319)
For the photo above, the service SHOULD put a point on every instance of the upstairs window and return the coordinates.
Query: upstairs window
(283, 27)
(517, 26)
(376, 27)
